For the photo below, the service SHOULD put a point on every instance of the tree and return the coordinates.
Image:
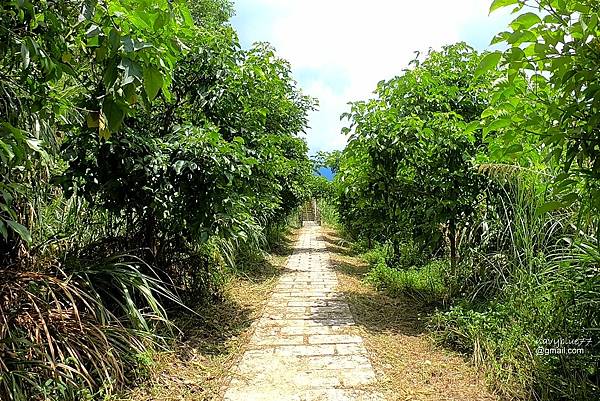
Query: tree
(409, 164)
(219, 158)
(69, 64)
(330, 160)
(557, 46)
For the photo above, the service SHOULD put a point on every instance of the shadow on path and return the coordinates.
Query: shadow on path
(336, 244)
(373, 310)
(409, 365)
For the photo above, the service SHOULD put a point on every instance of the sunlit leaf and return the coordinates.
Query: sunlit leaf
(114, 114)
(496, 4)
(488, 62)
(153, 82)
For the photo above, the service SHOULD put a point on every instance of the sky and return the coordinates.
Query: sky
(340, 49)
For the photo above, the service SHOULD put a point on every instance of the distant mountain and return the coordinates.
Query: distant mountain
(326, 172)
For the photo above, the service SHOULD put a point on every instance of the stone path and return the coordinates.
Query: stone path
(303, 348)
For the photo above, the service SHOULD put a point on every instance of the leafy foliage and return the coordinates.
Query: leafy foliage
(137, 127)
(65, 61)
(413, 146)
(556, 45)
(329, 160)
(474, 187)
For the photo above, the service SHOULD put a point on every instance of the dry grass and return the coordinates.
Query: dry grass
(210, 344)
(408, 364)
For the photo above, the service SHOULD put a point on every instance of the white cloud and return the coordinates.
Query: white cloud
(361, 42)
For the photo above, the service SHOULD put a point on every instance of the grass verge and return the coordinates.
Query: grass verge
(408, 364)
(209, 345)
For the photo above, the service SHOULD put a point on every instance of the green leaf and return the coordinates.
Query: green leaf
(128, 45)
(490, 111)
(501, 37)
(110, 74)
(472, 126)
(187, 16)
(501, 3)
(153, 82)
(3, 230)
(25, 57)
(114, 114)
(521, 36)
(514, 54)
(20, 229)
(548, 207)
(131, 71)
(159, 22)
(488, 62)
(526, 21)
(514, 148)
(498, 124)
(8, 153)
(93, 31)
(114, 39)
(570, 198)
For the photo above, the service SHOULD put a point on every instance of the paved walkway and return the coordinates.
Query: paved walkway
(303, 348)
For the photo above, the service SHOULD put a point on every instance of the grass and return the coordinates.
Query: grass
(408, 364)
(64, 338)
(210, 344)
(425, 283)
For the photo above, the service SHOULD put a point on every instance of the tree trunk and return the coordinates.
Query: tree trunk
(453, 252)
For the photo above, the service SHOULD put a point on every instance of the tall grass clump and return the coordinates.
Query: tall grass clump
(532, 294)
(77, 335)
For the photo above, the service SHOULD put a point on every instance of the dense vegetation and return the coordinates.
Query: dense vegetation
(143, 152)
(144, 155)
(474, 182)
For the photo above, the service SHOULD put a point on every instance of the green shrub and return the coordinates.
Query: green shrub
(376, 255)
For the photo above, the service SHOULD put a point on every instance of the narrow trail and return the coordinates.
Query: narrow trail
(305, 346)
(299, 327)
